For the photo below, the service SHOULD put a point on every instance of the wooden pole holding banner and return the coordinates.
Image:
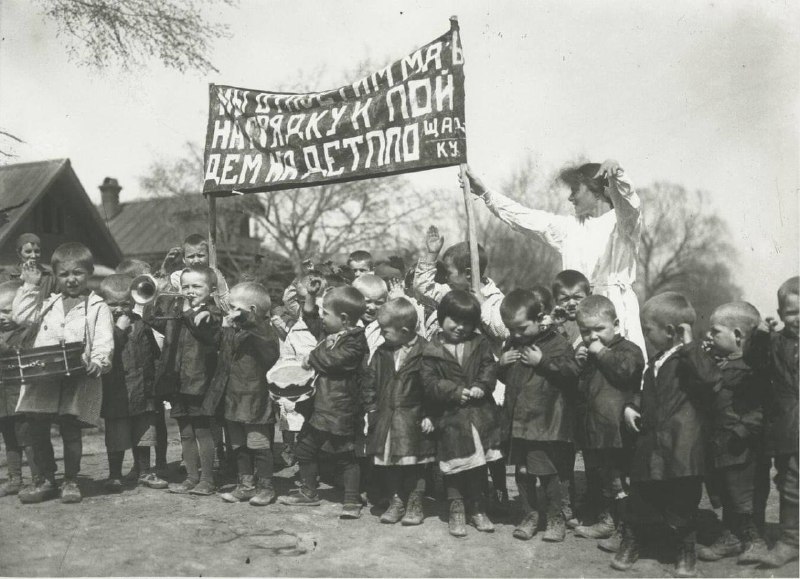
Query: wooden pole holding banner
(472, 234)
(212, 230)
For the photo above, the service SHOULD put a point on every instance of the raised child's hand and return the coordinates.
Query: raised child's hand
(631, 418)
(396, 289)
(509, 357)
(123, 322)
(202, 317)
(581, 354)
(31, 273)
(427, 425)
(434, 241)
(595, 347)
(476, 393)
(531, 356)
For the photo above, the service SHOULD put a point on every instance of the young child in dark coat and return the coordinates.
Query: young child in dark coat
(128, 404)
(187, 366)
(669, 416)
(736, 433)
(540, 373)
(459, 373)
(398, 424)
(776, 354)
(610, 375)
(13, 426)
(330, 431)
(248, 349)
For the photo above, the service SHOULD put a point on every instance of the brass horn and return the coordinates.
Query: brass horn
(145, 290)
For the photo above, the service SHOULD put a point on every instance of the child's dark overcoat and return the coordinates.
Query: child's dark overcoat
(397, 396)
(607, 382)
(338, 401)
(675, 407)
(775, 355)
(737, 415)
(128, 387)
(444, 379)
(240, 382)
(188, 361)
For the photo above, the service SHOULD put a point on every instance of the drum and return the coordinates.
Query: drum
(288, 380)
(43, 363)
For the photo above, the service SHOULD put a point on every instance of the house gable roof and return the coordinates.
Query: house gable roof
(25, 184)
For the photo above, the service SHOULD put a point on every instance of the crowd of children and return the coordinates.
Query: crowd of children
(416, 377)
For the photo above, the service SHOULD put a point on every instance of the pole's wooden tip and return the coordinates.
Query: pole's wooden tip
(454, 21)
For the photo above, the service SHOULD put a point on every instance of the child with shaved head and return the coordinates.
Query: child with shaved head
(248, 349)
(375, 292)
(129, 408)
(669, 417)
(611, 371)
(398, 422)
(736, 432)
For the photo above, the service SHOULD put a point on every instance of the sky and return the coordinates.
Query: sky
(704, 94)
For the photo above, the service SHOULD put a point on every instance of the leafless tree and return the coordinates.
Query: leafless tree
(99, 33)
(685, 247)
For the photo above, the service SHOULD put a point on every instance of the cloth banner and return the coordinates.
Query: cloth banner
(409, 116)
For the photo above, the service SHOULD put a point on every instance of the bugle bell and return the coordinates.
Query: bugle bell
(145, 290)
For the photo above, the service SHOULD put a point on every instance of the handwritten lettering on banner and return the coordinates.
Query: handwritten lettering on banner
(406, 117)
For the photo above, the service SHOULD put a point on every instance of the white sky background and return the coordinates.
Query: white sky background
(698, 93)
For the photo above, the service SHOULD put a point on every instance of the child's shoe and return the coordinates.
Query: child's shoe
(182, 488)
(457, 523)
(395, 511)
(43, 489)
(11, 487)
(628, 552)
(113, 485)
(152, 480)
(301, 497)
(528, 527)
(611, 545)
(753, 552)
(481, 522)
(602, 529)
(779, 555)
(726, 545)
(244, 491)
(70, 492)
(351, 511)
(556, 529)
(203, 488)
(265, 495)
(414, 514)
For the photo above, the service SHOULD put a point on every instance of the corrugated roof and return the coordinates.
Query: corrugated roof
(156, 224)
(23, 184)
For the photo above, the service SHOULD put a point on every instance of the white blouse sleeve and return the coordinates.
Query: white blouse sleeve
(627, 205)
(548, 227)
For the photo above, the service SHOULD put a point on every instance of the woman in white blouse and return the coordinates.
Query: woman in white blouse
(601, 240)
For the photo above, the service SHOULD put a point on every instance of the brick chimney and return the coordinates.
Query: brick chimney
(109, 192)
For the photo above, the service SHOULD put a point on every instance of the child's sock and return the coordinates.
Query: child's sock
(71, 436)
(115, 458)
(161, 439)
(262, 462)
(205, 445)
(141, 457)
(244, 461)
(191, 457)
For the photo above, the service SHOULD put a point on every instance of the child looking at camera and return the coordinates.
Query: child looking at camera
(75, 314)
(459, 374)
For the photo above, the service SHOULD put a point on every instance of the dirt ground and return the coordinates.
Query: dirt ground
(151, 532)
